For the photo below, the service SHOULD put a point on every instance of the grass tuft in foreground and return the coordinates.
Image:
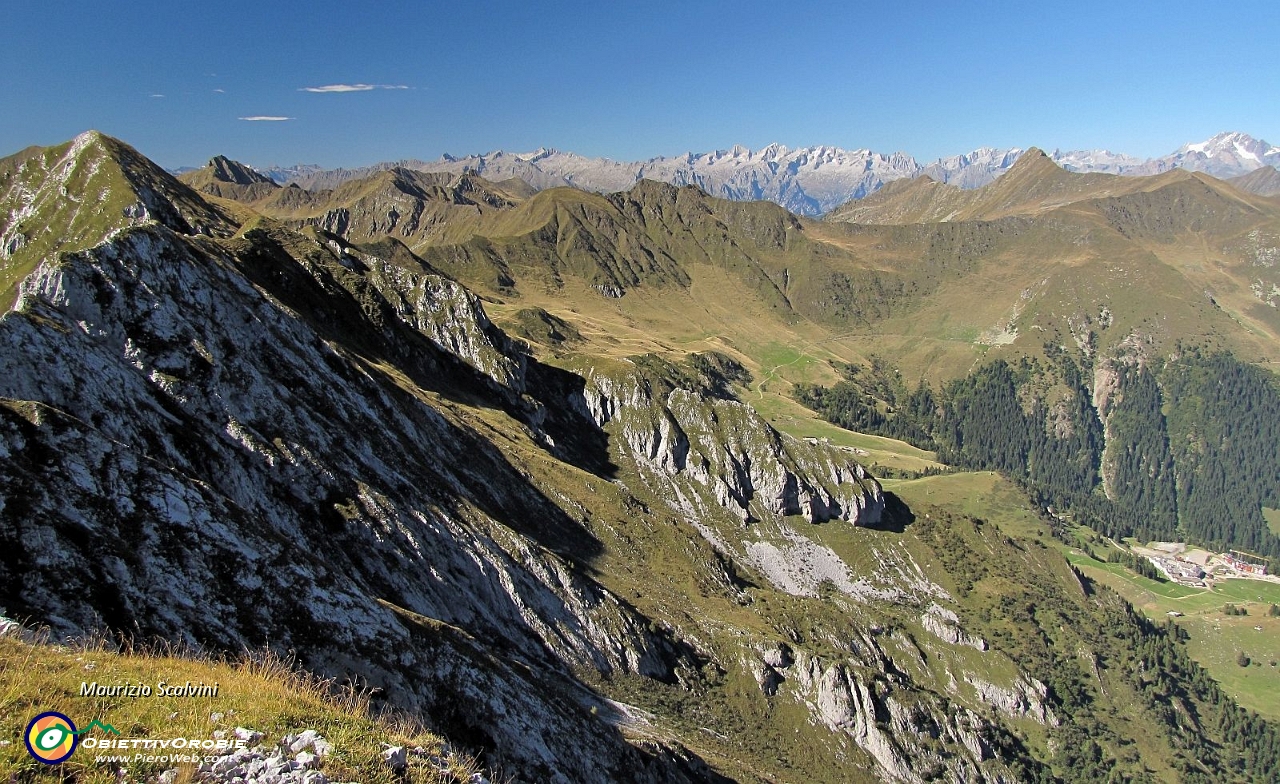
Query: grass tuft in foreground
(260, 691)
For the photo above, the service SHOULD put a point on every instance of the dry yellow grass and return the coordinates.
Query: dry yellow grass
(259, 691)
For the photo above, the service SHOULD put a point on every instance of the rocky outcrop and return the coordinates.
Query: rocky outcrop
(224, 169)
(718, 453)
(228, 179)
(891, 724)
(945, 625)
(1025, 698)
(445, 312)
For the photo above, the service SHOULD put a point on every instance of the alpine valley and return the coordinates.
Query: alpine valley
(560, 474)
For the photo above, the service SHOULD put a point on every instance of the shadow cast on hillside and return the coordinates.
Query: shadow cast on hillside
(896, 516)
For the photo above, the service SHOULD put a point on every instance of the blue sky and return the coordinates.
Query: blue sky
(633, 80)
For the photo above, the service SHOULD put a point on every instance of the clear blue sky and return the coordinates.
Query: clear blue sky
(633, 80)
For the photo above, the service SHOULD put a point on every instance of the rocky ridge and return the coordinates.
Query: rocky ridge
(724, 449)
(271, 437)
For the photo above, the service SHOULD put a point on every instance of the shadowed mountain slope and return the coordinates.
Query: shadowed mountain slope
(1264, 181)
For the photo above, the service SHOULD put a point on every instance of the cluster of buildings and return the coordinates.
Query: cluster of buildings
(1197, 567)
(1180, 571)
(1245, 563)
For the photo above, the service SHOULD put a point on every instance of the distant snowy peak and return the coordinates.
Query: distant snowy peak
(974, 169)
(814, 180)
(806, 180)
(1103, 161)
(1233, 143)
(1226, 155)
(283, 175)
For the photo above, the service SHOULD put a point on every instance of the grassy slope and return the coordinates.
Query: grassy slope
(1272, 517)
(1216, 638)
(261, 694)
(737, 730)
(1034, 184)
(717, 313)
(656, 560)
(873, 451)
(802, 351)
(1001, 568)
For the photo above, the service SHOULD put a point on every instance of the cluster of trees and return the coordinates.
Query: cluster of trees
(1137, 564)
(1143, 482)
(1194, 449)
(874, 400)
(1224, 428)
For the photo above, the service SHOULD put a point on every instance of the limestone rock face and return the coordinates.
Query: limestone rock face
(888, 723)
(1026, 698)
(227, 170)
(452, 318)
(721, 452)
(945, 625)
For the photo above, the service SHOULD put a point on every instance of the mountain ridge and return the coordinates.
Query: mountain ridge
(1264, 181)
(655, 234)
(806, 180)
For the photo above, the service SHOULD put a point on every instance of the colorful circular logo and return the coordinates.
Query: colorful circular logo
(51, 737)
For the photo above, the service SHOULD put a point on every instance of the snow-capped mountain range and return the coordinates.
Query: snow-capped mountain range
(805, 180)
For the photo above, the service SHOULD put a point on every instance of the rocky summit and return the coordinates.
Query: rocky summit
(580, 558)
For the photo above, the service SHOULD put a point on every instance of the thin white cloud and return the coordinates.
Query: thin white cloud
(265, 118)
(156, 95)
(219, 90)
(352, 88)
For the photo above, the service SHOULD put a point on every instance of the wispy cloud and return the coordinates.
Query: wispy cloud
(352, 88)
(219, 90)
(156, 95)
(265, 118)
